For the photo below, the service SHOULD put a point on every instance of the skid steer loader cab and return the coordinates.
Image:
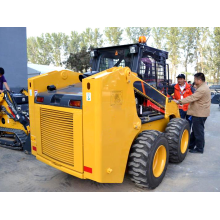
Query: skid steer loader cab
(149, 63)
(114, 118)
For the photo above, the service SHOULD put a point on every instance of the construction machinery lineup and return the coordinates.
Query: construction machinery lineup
(114, 119)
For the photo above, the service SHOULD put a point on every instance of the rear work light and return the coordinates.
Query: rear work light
(75, 103)
(40, 99)
(133, 49)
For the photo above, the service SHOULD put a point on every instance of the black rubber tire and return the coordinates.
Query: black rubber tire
(141, 158)
(173, 133)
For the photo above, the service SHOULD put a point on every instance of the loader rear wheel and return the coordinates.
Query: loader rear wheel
(177, 133)
(148, 159)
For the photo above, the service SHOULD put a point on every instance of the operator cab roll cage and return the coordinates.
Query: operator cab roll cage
(148, 62)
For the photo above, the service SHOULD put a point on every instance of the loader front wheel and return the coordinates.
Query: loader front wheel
(177, 133)
(148, 159)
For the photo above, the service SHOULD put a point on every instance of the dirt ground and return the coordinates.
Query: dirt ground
(198, 172)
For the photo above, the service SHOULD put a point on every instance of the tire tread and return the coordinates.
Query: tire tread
(172, 133)
(138, 158)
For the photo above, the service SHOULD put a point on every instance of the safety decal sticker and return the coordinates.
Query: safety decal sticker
(116, 98)
(35, 93)
(88, 96)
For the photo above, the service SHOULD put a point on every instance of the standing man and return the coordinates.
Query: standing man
(199, 108)
(3, 80)
(182, 90)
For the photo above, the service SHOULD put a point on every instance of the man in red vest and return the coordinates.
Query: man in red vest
(182, 90)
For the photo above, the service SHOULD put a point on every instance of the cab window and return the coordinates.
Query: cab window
(115, 58)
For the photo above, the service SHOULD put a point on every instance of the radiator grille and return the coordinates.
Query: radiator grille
(57, 135)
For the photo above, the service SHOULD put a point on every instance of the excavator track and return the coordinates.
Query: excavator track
(20, 139)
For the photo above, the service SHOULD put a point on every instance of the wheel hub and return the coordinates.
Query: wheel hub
(159, 160)
(184, 141)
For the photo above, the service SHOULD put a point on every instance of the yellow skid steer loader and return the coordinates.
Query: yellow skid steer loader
(116, 117)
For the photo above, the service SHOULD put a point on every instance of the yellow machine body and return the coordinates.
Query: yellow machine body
(92, 142)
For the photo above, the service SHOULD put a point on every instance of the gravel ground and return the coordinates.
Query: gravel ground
(198, 172)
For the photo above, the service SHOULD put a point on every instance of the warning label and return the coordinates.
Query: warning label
(88, 96)
(35, 93)
(116, 98)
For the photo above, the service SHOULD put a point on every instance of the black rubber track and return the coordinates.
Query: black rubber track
(173, 133)
(21, 138)
(141, 158)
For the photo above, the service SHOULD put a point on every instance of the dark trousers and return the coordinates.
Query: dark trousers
(197, 137)
(185, 116)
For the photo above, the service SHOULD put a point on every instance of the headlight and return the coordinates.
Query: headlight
(92, 53)
(133, 49)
